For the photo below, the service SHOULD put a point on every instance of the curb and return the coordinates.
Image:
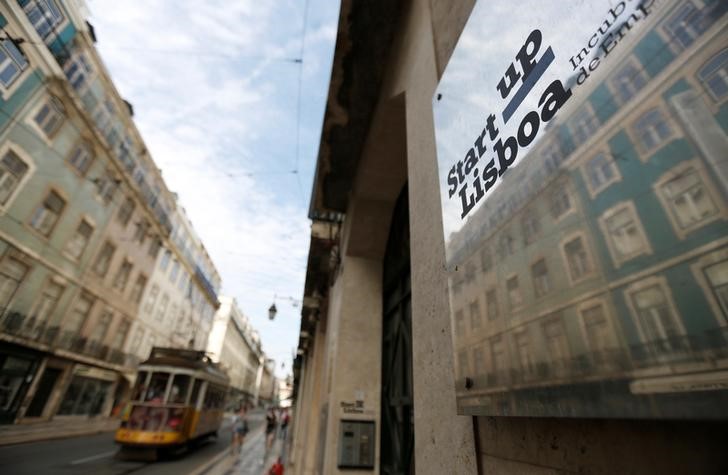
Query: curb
(45, 436)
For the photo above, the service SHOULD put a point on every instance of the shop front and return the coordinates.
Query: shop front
(17, 370)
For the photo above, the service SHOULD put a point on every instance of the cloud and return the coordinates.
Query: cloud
(216, 107)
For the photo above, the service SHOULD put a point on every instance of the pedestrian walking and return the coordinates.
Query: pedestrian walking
(240, 430)
(285, 419)
(270, 429)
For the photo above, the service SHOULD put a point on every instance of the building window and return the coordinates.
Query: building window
(497, 356)
(12, 63)
(714, 76)
(154, 246)
(506, 245)
(50, 117)
(540, 274)
(76, 318)
(531, 227)
(556, 342)
(689, 22)
(524, 352)
(583, 125)
(120, 335)
(165, 260)
(85, 396)
(78, 243)
(44, 307)
(103, 260)
(183, 281)
(486, 259)
(651, 130)
(459, 323)
(478, 360)
(469, 271)
(596, 328)
(12, 171)
(98, 334)
(577, 259)
(628, 81)
(600, 171)
(81, 158)
(474, 315)
(624, 233)
(102, 116)
(560, 202)
(463, 363)
(122, 276)
(44, 15)
(106, 186)
(717, 275)
(689, 200)
(151, 299)
(162, 309)
(174, 272)
(140, 233)
(78, 71)
(126, 210)
(47, 213)
(138, 289)
(12, 272)
(491, 303)
(514, 292)
(656, 317)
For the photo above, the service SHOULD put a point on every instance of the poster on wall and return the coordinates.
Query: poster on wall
(583, 165)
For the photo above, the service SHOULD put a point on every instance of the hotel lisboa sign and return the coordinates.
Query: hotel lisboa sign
(583, 163)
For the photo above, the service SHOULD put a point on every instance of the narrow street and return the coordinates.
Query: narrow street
(97, 454)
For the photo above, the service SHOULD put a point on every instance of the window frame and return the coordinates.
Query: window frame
(618, 259)
(11, 147)
(591, 262)
(32, 216)
(708, 187)
(88, 147)
(645, 284)
(636, 135)
(585, 169)
(6, 91)
(92, 225)
(699, 74)
(55, 105)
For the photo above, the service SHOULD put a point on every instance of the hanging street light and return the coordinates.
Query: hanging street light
(272, 311)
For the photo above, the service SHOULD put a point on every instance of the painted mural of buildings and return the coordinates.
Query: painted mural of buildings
(98, 261)
(597, 276)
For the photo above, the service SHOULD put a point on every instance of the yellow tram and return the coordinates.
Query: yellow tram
(179, 396)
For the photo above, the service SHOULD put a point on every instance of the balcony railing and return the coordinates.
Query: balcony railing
(610, 363)
(34, 330)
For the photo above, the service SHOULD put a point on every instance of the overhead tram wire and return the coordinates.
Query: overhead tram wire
(298, 103)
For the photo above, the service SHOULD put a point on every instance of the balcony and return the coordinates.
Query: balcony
(29, 328)
(612, 363)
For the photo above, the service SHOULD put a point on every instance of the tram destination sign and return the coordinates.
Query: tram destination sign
(584, 192)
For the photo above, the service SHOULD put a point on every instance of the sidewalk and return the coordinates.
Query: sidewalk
(252, 460)
(55, 429)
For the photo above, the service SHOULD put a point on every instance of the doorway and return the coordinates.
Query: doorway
(397, 426)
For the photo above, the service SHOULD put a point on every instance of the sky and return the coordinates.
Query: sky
(215, 89)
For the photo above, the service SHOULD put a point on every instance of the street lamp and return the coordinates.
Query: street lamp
(272, 311)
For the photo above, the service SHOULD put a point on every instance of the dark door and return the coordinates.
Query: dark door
(397, 427)
(16, 374)
(43, 391)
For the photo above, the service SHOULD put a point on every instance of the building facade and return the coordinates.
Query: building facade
(236, 346)
(598, 267)
(85, 217)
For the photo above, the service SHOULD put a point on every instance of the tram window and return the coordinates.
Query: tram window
(195, 392)
(213, 398)
(157, 387)
(180, 388)
(139, 386)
